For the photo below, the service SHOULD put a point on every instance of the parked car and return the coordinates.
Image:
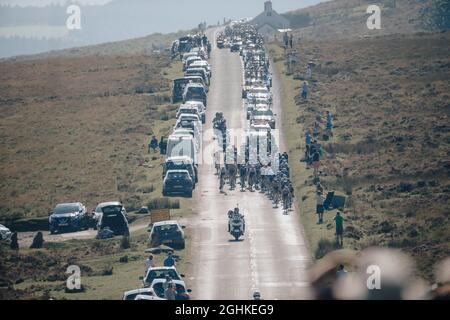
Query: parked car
(113, 217)
(68, 217)
(196, 109)
(167, 232)
(181, 163)
(139, 294)
(178, 182)
(97, 213)
(195, 92)
(160, 273)
(197, 72)
(5, 233)
(202, 64)
(182, 293)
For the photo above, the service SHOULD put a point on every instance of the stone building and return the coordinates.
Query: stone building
(269, 22)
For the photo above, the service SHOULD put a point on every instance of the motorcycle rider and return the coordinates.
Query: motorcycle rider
(236, 215)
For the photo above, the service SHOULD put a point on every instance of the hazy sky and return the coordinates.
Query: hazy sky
(113, 20)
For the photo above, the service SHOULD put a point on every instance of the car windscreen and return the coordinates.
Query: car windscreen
(263, 113)
(176, 165)
(161, 274)
(196, 90)
(67, 208)
(177, 175)
(166, 228)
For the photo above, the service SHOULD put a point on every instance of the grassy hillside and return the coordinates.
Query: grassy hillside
(389, 97)
(77, 128)
(346, 19)
(138, 46)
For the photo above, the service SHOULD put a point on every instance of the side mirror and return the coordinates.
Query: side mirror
(182, 275)
(189, 290)
(50, 212)
(183, 227)
(141, 278)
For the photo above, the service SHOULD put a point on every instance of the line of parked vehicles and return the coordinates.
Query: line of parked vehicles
(180, 170)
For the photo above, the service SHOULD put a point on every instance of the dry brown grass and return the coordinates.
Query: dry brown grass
(389, 98)
(76, 129)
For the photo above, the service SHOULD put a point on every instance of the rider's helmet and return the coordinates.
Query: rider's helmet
(256, 295)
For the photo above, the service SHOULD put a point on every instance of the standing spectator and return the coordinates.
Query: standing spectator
(319, 207)
(316, 161)
(339, 220)
(149, 263)
(167, 282)
(169, 261)
(170, 293)
(153, 144)
(308, 71)
(162, 146)
(291, 41)
(308, 140)
(286, 40)
(305, 90)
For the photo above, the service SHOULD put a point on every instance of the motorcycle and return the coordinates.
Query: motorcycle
(236, 226)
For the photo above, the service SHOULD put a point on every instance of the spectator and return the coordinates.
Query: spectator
(167, 282)
(169, 261)
(305, 90)
(153, 144)
(286, 40)
(291, 40)
(319, 207)
(308, 72)
(316, 161)
(162, 146)
(149, 263)
(339, 220)
(170, 293)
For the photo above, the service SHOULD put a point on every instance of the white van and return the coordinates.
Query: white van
(182, 146)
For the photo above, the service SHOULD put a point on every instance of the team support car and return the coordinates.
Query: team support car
(178, 182)
(68, 217)
(168, 233)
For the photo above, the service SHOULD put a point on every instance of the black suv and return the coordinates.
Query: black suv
(178, 182)
(69, 217)
(113, 217)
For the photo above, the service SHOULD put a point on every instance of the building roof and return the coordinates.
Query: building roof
(270, 17)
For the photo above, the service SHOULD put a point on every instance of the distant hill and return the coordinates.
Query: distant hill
(347, 19)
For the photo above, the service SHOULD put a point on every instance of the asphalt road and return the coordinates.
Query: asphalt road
(272, 257)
